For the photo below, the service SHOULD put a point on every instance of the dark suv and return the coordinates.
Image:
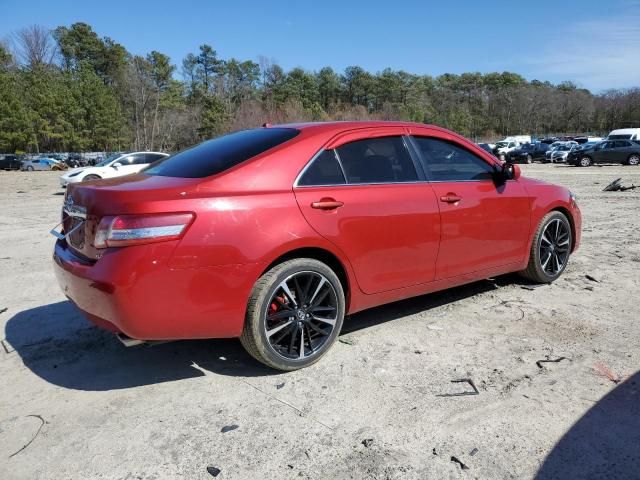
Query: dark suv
(609, 151)
(9, 162)
(528, 152)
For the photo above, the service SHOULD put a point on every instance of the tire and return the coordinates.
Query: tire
(633, 160)
(29, 168)
(529, 159)
(91, 176)
(502, 157)
(585, 161)
(268, 295)
(547, 264)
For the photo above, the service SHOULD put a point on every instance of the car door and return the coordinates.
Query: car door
(484, 224)
(621, 150)
(365, 195)
(602, 152)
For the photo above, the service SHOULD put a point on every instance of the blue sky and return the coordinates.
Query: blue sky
(595, 43)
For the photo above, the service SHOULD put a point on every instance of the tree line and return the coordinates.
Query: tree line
(71, 90)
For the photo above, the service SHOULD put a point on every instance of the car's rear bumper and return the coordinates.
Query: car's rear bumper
(132, 290)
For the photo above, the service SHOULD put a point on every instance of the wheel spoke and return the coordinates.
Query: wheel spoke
(298, 290)
(315, 294)
(301, 353)
(319, 330)
(544, 264)
(278, 328)
(293, 337)
(311, 349)
(280, 314)
(286, 290)
(329, 321)
(322, 308)
(545, 239)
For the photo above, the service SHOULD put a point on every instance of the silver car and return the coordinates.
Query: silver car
(38, 164)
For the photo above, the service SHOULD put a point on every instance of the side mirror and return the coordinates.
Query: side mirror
(510, 171)
(116, 165)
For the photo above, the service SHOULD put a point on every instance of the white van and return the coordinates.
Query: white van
(624, 134)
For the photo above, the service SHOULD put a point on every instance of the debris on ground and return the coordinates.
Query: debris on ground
(42, 422)
(473, 452)
(2, 310)
(280, 385)
(616, 186)
(346, 341)
(229, 428)
(460, 394)
(550, 360)
(367, 442)
(434, 327)
(213, 471)
(604, 371)
(462, 465)
(591, 278)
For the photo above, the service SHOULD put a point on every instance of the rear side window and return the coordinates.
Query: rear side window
(447, 162)
(324, 170)
(217, 155)
(377, 160)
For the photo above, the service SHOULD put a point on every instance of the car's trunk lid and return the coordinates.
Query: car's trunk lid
(86, 203)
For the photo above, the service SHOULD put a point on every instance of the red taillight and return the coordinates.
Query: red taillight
(125, 230)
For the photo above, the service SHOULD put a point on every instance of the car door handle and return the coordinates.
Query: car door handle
(327, 204)
(450, 198)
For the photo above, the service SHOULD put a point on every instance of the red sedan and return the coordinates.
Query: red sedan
(274, 234)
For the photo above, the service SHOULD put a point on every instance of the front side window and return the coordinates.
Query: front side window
(447, 162)
(377, 160)
(324, 170)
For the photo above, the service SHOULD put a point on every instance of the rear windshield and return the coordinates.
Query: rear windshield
(217, 155)
(619, 137)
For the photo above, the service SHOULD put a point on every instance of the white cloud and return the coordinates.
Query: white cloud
(597, 54)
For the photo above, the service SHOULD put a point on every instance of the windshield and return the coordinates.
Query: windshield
(563, 148)
(501, 144)
(108, 160)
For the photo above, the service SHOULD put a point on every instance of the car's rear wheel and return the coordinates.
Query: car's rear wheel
(550, 249)
(585, 161)
(529, 159)
(91, 176)
(294, 314)
(30, 168)
(634, 160)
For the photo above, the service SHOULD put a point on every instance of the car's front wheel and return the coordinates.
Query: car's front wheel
(634, 160)
(550, 249)
(90, 177)
(294, 314)
(529, 159)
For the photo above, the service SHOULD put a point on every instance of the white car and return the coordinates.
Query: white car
(115, 165)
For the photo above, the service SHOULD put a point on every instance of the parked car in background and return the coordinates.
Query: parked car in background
(115, 165)
(560, 153)
(528, 152)
(504, 148)
(624, 134)
(486, 147)
(275, 234)
(9, 162)
(609, 151)
(39, 164)
(583, 140)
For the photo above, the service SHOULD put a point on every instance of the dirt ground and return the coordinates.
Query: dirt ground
(376, 407)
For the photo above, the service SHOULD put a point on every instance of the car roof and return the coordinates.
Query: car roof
(340, 126)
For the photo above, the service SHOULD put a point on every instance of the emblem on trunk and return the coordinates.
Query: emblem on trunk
(73, 210)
